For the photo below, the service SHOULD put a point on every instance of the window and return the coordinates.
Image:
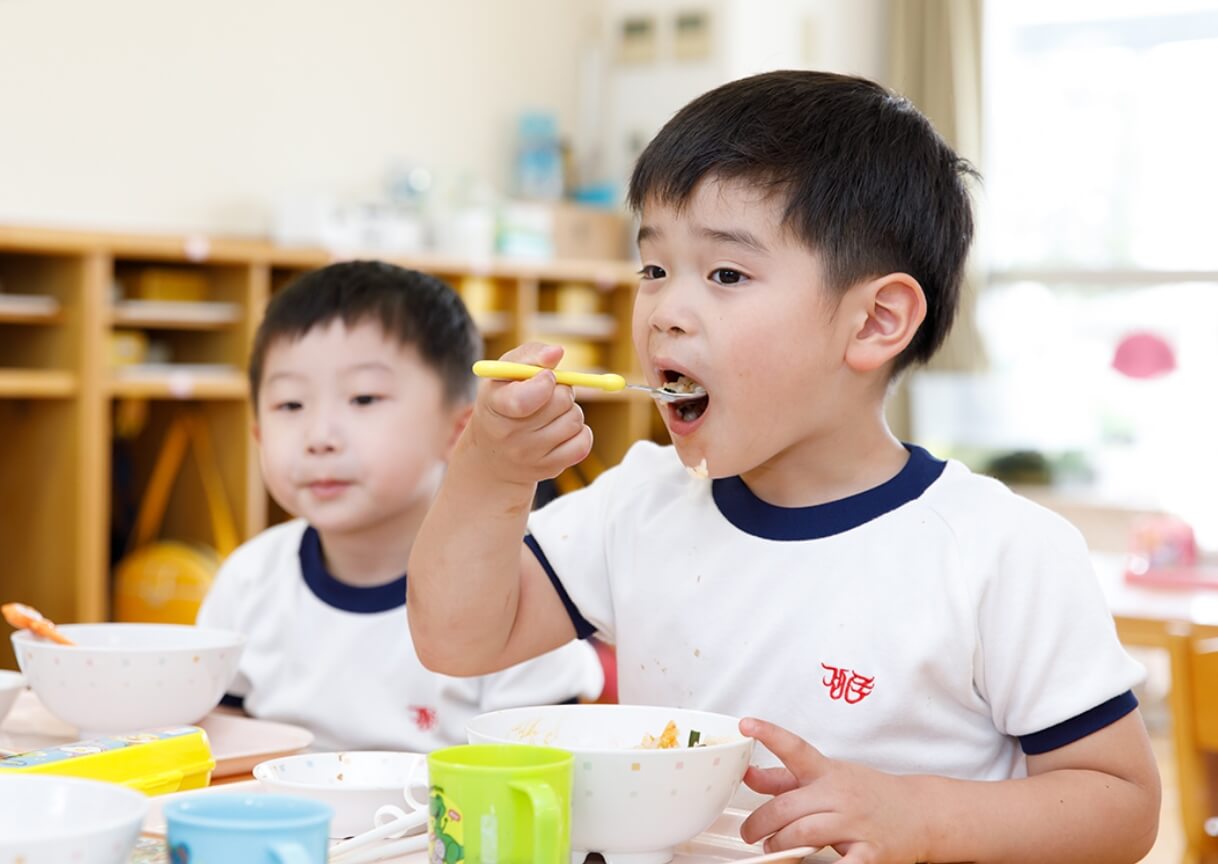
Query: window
(1099, 238)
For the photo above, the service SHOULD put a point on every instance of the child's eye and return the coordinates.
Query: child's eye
(365, 399)
(652, 271)
(287, 406)
(727, 276)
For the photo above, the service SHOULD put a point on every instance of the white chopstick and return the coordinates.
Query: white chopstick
(417, 843)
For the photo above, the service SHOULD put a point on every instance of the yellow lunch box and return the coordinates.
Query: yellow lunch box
(155, 762)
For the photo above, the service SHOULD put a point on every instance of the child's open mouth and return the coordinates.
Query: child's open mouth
(691, 410)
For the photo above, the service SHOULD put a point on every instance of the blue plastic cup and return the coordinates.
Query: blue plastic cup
(247, 829)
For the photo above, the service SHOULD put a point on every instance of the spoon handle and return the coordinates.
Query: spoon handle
(25, 617)
(505, 371)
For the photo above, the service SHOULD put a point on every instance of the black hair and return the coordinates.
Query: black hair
(412, 308)
(868, 183)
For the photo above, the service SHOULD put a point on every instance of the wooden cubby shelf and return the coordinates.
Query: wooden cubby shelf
(29, 309)
(36, 384)
(176, 314)
(98, 328)
(133, 382)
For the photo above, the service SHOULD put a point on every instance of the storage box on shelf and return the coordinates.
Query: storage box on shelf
(105, 334)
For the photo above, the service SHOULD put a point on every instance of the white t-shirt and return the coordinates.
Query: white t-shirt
(339, 659)
(937, 623)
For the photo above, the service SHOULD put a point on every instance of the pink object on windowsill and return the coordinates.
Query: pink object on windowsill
(1144, 355)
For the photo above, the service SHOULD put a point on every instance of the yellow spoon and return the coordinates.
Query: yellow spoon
(501, 370)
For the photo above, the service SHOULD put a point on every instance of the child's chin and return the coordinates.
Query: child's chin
(695, 460)
(330, 522)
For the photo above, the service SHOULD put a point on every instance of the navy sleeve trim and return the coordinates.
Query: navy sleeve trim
(583, 629)
(228, 700)
(1076, 728)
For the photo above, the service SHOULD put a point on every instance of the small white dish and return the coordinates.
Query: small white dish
(355, 783)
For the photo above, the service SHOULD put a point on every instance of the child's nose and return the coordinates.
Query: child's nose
(323, 435)
(672, 310)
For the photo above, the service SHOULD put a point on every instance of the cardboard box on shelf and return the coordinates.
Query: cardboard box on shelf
(167, 283)
(540, 230)
(590, 232)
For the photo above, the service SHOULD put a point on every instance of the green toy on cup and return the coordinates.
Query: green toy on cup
(509, 803)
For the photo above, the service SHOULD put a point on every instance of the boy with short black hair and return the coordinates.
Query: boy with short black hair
(943, 642)
(360, 380)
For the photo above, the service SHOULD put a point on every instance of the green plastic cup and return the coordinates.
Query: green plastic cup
(503, 803)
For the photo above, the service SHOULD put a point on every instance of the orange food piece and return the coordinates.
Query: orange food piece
(666, 741)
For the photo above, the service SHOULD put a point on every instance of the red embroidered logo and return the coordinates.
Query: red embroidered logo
(425, 718)
(847, 684)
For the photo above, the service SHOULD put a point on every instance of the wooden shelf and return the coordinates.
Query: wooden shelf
(29, 309)
(606, 274)
(201, 249)
(493, 323)
(186, 382)
(576, 326)
(175, 315)
(62, 403)
(195, 249)
(36, 384)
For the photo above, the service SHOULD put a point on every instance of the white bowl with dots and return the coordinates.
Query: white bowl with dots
(356, 784)
(632, 805)
(52, 820)
(126, 677)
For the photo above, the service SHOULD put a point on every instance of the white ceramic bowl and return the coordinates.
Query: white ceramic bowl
(51, 820)
(11, 685)
(126, 677)
(356, 783)
(631, 805)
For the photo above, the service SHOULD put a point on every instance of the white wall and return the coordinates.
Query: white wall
(749, 36)
(165, 115)
(847, 37)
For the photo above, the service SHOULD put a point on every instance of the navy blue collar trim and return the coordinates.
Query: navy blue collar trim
(340, 595)
(750, 514)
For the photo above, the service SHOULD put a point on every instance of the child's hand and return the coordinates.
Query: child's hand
(865, 815)
(531, 430)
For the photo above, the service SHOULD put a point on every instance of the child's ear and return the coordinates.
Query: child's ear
(460, 421)
(257, 430)
(888, 311)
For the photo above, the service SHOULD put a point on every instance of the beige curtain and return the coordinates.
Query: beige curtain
(935, 56)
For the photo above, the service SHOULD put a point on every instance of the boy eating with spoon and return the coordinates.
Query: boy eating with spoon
(938, 670)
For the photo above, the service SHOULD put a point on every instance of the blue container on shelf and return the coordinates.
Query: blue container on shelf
(538, 171)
